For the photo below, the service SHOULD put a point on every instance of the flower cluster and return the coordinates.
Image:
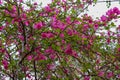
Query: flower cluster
(57, 42)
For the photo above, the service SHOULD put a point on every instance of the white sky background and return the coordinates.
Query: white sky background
(44, 2)
(95, 11)
(101, 8)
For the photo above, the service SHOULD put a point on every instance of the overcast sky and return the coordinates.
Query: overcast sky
(100, 8)
(96, 11)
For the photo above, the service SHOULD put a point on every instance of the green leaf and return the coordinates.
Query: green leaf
(95, 1)
(112, 24)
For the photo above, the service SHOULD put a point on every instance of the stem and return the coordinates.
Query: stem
(26, 54)
(34, 63)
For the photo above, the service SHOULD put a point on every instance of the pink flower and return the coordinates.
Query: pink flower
(13, 15)
(24, 16)
(52, 56)
(2, 50)
(6, 12)
(51, 66)
(47, 9)
(1, 28)
(77, 22)
(63, 41)
(38, 25)
(27, 47)
(42, 57)
(21, 37)
(64, 1)
(119, 49)
(0, 2)
(86, 78)
(109, 75)
(74, 53)
(109, 12)
(101, 73)
(103, 18)
(70, 32)
(116, 10)
(61, 26)
(30, 57)
(26, 23)
(95, 26)
(85, 27)
(61, 35)
(48, 77)
(71, 52)
(47, 35)
(97, 61)
(108, 33)
(35, 3)
(28, 75)
(56, 11)
(118, 76)
(66, 71)
(117, 67)
(108, 40)
(14, 9)
(57, 23)
(68, 50)
(49, 51)
(68, 19)
(20, 0)
(5, 64)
